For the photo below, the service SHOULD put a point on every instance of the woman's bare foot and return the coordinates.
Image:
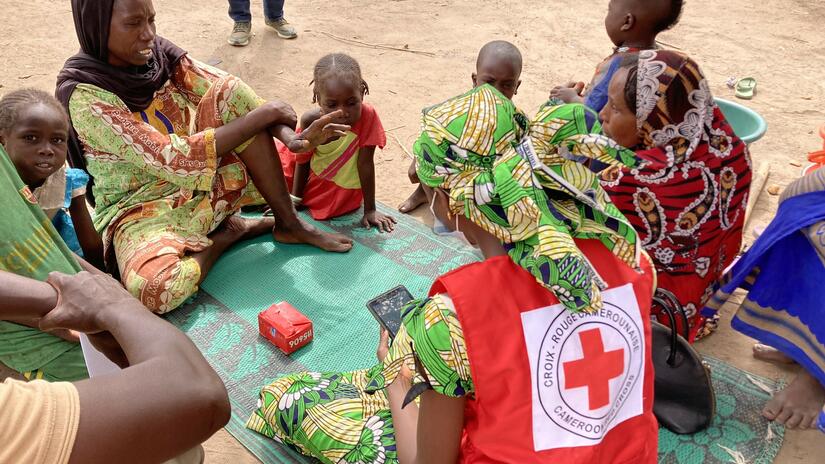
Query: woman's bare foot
(237, 227)
(415, 200)
(798, 405)
(305, 233)
(770, 354)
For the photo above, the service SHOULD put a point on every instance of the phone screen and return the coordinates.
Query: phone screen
(387, 308)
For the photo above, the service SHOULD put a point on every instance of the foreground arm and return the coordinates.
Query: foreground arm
(167, 401)
(430, 433)
(24, 299)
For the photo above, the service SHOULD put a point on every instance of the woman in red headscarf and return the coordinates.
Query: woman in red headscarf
(687, 198)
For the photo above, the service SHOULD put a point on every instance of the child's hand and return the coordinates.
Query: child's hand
(382, 221)
(570, 92)
(321, 130)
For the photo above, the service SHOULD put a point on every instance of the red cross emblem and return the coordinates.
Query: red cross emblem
(595, 370)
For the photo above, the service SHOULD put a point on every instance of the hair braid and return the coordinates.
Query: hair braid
(338, 65)
(11, 103)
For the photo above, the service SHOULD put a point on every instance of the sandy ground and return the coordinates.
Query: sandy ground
(779, 42)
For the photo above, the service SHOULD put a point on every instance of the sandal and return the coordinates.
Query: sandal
(746, 88)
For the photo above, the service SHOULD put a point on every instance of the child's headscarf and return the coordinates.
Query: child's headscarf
(535, 204)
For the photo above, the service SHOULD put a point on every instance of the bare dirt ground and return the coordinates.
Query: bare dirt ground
(779, 42)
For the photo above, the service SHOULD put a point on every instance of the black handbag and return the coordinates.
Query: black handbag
(684, 401)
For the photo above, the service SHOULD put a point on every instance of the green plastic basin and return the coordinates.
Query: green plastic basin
(747, 123)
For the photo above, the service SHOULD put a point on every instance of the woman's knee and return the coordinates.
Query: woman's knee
(164, 282)
(231, 98)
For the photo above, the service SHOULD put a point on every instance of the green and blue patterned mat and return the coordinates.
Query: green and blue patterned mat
(332, 290)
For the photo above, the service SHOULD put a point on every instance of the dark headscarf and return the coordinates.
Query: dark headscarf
(136, 86)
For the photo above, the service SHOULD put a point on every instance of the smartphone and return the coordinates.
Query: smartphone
(386, 308)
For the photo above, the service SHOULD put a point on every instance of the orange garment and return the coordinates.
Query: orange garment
(39, 421)
(334, 187)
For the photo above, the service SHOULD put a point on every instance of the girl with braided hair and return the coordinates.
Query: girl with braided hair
(540, 353)
(338, 175)
(34, 130)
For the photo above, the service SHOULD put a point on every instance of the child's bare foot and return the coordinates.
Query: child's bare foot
(415, 200)
(770, 354)
(302, 232)
(798, 405)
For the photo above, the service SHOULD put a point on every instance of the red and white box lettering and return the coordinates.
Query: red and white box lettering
(285, 327)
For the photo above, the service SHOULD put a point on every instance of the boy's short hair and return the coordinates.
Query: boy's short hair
(671, 16)
(500, 48)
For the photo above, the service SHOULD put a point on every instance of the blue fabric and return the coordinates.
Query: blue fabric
(597, 97)
(790, 279)
(62, 222)
(75, 179)
(239, 10)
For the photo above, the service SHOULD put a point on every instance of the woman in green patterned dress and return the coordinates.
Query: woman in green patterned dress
(175, 148)
(474, 177)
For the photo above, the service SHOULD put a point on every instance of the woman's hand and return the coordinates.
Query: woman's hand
(405, 376)
(384, 222)
(321, 130)
(383, 345)
(281, 113)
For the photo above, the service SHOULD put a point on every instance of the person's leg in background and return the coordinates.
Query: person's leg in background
(274, 13)
(242, 30)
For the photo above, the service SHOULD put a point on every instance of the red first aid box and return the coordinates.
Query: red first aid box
(285, 327)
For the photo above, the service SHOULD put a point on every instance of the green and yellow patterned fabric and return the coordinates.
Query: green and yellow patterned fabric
(536, 205)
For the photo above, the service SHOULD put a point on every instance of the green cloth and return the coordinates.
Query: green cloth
(345, 417)
(31, 247)
(533, 193)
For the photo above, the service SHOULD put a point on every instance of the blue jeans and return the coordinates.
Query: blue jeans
(239, 10)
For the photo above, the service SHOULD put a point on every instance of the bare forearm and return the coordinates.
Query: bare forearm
(173, 398)
(405, 421)
(23, 299)
(87, 266)
(239, 130)
(131, 324)
(150, 412)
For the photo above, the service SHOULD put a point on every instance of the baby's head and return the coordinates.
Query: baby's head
(34, 129)
(640, 21)
(338, 85)
(499, 64)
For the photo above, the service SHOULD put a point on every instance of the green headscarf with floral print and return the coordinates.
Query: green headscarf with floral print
(525, 183)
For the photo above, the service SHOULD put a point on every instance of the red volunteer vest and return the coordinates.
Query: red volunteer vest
(550, 385)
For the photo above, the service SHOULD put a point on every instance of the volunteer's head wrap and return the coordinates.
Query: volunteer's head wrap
(535, 205)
